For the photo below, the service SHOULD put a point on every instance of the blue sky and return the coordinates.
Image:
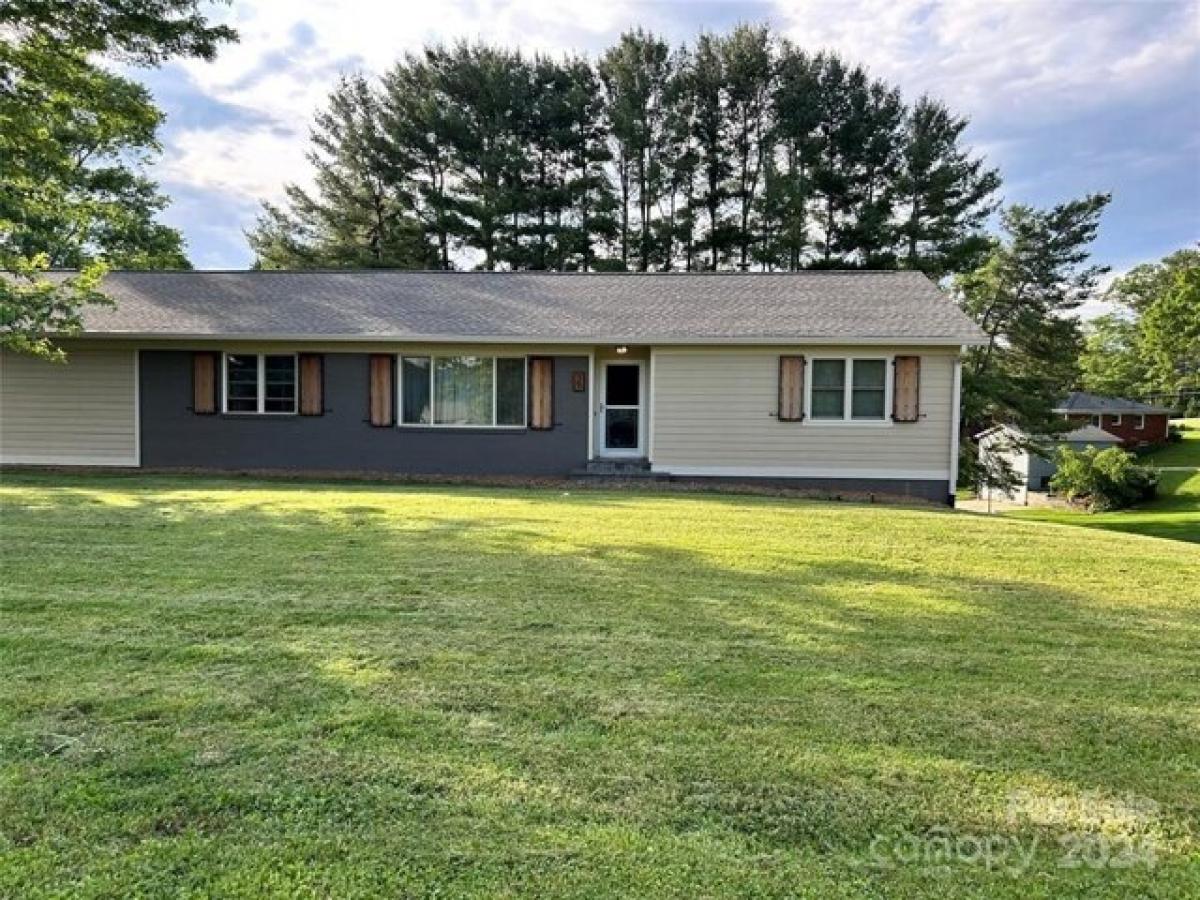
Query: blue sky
(1064, 96)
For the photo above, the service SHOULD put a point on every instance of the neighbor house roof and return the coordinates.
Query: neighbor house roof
(1094, 404)
(541, 307)
(1086, 434)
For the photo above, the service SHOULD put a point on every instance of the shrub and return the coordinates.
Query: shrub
(1103, 479)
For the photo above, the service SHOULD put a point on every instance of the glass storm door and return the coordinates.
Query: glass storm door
(621, 410)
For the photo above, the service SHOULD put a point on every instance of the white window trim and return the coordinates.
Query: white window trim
(1097, 421)
(262, 385)
(848, 392)
(1116, 419)
(451, 426)
(1141, 423)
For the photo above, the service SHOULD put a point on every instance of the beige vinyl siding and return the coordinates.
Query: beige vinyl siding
(716, 412)
(81, 412)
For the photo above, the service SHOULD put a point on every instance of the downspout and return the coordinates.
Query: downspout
(955, 414)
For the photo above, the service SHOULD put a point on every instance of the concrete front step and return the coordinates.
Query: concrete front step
(619, 468)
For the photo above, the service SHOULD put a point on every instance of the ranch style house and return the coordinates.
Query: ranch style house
(842, 381)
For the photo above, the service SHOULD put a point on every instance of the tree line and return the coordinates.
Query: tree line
(741, 151)
(1149, 347)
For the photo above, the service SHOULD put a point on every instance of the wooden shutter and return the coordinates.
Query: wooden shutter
(906, 392)
(312, 384)
(204, 383)
(541, 393)
(381, 403)
(791, 388)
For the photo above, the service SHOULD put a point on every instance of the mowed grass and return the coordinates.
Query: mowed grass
(1174, 514)
(1184, 453)
(240, 688)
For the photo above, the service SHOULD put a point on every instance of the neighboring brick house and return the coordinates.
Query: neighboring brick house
(1133, 422)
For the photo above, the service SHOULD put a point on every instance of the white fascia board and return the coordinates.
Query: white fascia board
(635, 340)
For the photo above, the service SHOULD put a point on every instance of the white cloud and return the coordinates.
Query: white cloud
(236, 162)
(309, 41)
(1009, 62)
(290, 54)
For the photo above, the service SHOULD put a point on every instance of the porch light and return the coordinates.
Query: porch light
(622, 350)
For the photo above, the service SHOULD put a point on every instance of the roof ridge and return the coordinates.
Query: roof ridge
(536, 272)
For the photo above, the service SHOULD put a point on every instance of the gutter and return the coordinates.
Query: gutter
(702, 340)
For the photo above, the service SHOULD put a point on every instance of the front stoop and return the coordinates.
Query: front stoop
(619, 469)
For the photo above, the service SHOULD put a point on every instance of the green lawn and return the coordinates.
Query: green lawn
(1174, 514)
(1184, 453)
(239, 688)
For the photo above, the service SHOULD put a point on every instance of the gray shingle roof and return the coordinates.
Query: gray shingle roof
(1088, 434)
(1082, 402)
(540, 307)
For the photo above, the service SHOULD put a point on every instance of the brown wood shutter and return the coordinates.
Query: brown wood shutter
(204, 383)
(541, 393)
(382, 406)
(312, 384)
(906, 393)
(791, 388)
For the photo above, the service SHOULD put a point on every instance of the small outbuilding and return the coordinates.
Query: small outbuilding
(1035, 469)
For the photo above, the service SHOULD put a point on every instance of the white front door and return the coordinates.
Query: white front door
(620, 422)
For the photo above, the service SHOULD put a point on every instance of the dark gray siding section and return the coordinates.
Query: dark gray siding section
(342, 439)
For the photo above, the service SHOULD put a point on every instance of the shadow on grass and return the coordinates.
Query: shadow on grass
(517, 670)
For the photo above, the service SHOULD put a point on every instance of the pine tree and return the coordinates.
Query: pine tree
(876, 123)
(589, 205)
(795, 143)
(1024, 297)
(944, 196)
(836, 137)
(674, 230)
(710, 136)
(484, 92)
(746, 61)
(636, 74)
(353, 217)
(416, 151)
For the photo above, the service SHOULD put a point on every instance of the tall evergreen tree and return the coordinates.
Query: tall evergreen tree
(416, 152)
(676, 225)
(1024, 297)
(710, 127)
(794, 143)
(353, 217)
(835, 145)
(589, 222)
(486, 91)
(746, 60)
(636, 74)
(872, 158)
(943, 194)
